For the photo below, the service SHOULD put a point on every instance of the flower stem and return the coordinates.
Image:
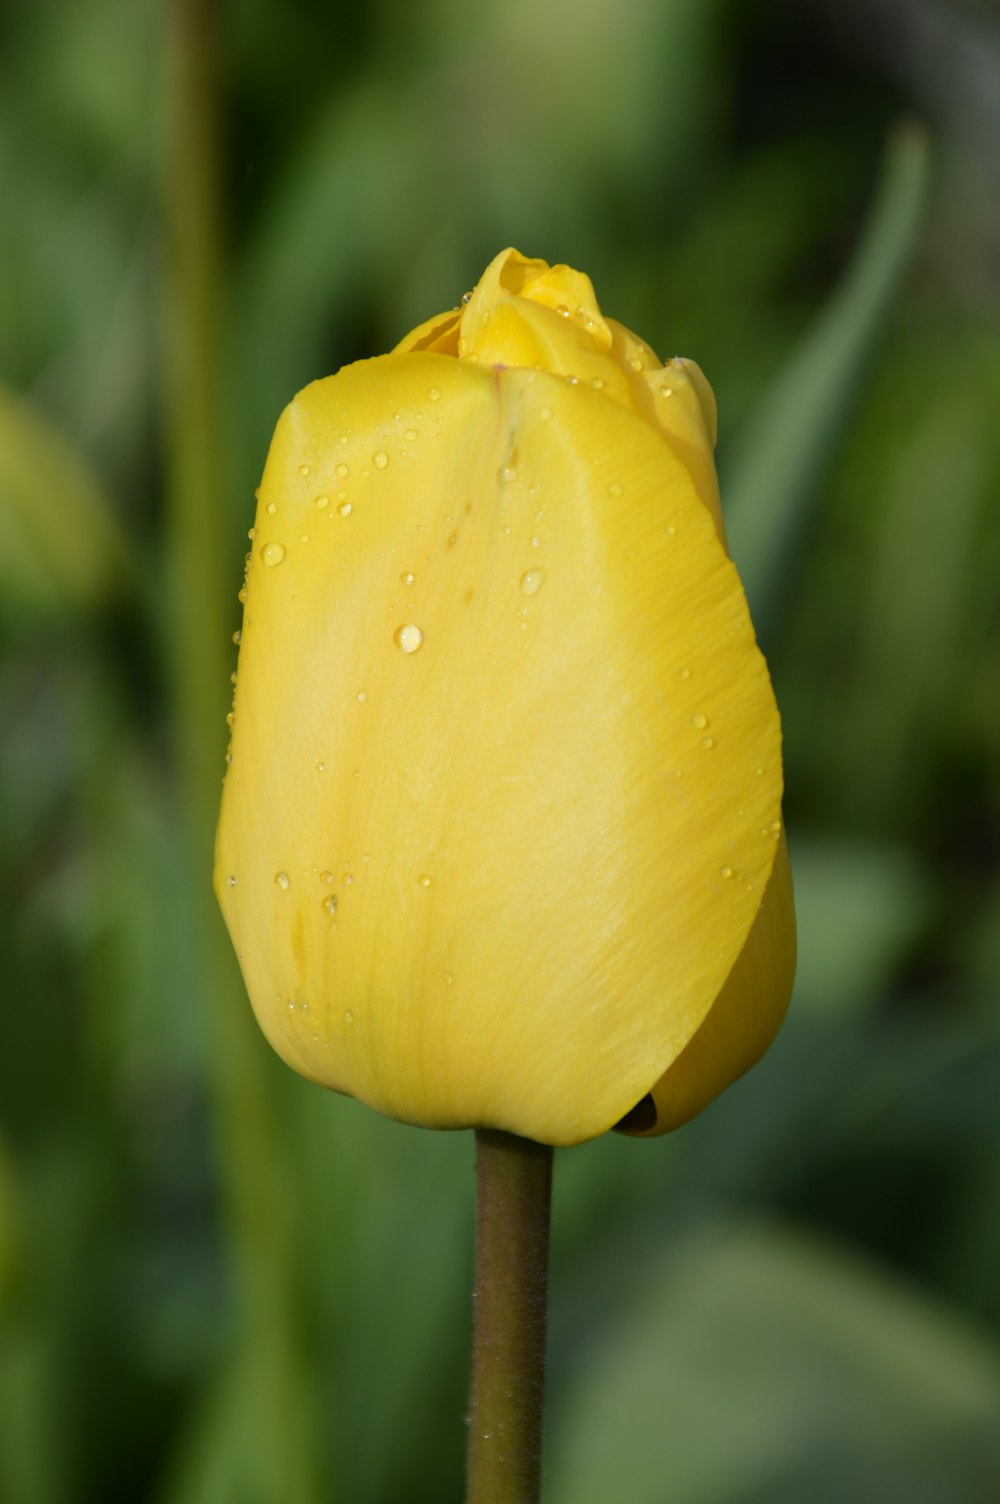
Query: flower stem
(514, 1197)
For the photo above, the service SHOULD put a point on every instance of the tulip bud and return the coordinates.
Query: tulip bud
(501, 838)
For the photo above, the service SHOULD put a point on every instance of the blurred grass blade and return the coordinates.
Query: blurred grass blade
(774, 473)
(63, 550)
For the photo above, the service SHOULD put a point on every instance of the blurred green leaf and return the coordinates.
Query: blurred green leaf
(858, 905)
(774, 472)
(755, 1357)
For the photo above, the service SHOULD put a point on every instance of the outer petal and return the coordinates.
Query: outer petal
(500, 878)
(743, 1021)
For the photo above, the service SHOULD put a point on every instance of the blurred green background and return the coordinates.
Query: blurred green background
(220, 1285)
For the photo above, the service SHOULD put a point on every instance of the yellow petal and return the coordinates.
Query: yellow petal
(498, 724)
(743, 1020)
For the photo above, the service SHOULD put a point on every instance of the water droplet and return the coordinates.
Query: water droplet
(410, 434)
(362, 696)
(725, 871)
(596, 383)
(380, 459)
(546, 414)
(241, 595)
(536, 542)
(321, 767)
(434, 394)
(670, 530)
(303, 469)
(281, 881)
(345, 509)
(408, 638)
(532, 581)
(759, 772)
(424, 880)
(563, 311)
(775, 827)
(708, 742)
(251, 532)
(348, 1016)
(230, 881)
(635, 364)
(330, 905)
(322, 502)
(699, 722)
(229, 755)
(273, 553)
(303, 537)
(271, 509)
(407, 578)
(506, 474)
(342, 469)
(447, 979)
(326, 878)
(667, 391)
(685, 673)
(230, 718)
(233, 677)
(614, 489)
(237, 638)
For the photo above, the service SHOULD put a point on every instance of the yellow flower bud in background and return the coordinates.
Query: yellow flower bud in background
(501, 839)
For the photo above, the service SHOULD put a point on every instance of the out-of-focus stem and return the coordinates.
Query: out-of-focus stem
(200, 654)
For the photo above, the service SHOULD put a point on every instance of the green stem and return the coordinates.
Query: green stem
(514, 1190)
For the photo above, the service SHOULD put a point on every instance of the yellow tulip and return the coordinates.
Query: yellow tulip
(501, 839)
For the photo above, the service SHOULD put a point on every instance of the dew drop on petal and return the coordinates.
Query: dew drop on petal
(273, 553)
(725, 871)
(230, 881)
(281, 881)
(271, 509)
(362, 696)
(407, 578)
(322, 502)
(708, 742)
(434, 394)
(546, 414)
(424, 880)
(506, 474)
(532, 581)
(699, 722)
(345, 509)
(614, 489)
(408, 638)
(330, 905)
(380, 459)
(685, 673)
(303, 469)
